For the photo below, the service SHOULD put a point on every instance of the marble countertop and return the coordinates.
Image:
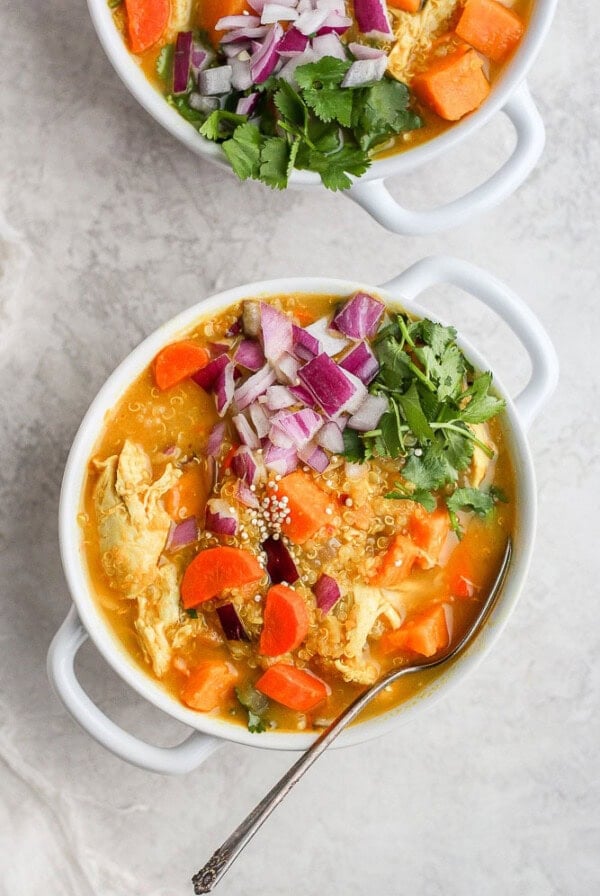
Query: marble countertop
(107, 226)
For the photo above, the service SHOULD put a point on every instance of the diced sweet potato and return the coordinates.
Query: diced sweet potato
(453, 85)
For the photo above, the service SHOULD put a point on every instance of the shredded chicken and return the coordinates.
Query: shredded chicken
(181, 11)
(480, 462)
(132, 522)
(158, 613)
(414, 34)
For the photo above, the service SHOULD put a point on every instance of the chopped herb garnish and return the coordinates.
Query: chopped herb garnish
(256, 704)
(193, 614)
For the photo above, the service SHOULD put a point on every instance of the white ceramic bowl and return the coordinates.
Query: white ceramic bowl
(509, 95)
(85, 618)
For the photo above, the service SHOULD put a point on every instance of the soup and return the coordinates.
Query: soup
(295, 497)
(320, 85)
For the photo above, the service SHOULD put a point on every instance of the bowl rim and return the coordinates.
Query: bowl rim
(73, 555)
(154, 103)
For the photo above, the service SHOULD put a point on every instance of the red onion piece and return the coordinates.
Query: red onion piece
(224, 388)
(300, 426)
(364, 51)
(181, 534)
(207, 377)
(264, 61)
(306, 346)
(249, 354)
(372, 20)
(215, 81)
(200, 58)
(254, 387)
(331, 343)
(243, 34)
(292, 43)
(314, 457)
(327, 591)
(330, 437)
(311, 20)
(246, 433)
(220, 517)
(279, 438)
(365, 71)
(335, 23)
(241, 79)
(303, 396)
(280, 460)
(361, 362)
(277, 12)
(276, 329)
(232, 625)
(182, 58)
(329, 44)
(247, 104)
(359, 317)
(215, 439)
(245, 495)
(228, 22)
(330, 385)
(260, 419)
(236, 326)
(245, 465)
(279, 397)
(280, 565)
(369, 413)
(286, 368)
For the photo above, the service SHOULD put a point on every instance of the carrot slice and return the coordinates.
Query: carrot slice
(190, 493)
(208, 685)
(397, 563)
(146, 22)
(425, 633)
(177, 362)
(429, 532)
(406, 5)
(292, 687)
(310, 508)
(459, 571)
(285, 624)
(229, 457)
(215, 569)
(491, 28)
(210, 11)
(452, 85)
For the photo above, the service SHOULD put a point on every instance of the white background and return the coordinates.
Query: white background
(108, 227)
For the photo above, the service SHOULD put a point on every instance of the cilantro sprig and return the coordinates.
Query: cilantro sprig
(434, 400)
(316, 125)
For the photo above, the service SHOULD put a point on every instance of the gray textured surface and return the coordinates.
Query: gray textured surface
(108, 227)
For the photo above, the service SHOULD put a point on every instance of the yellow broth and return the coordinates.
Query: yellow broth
(183, 416)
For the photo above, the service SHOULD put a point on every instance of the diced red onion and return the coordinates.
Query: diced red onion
(315, 457)
(249, 354)
(232, 625)
(257, 5)
(181, 534)
(359, 317)
(182, 58)
(372, 19)
(280, 460)
(276, 12)
(329, 44)
(330, 437)
(300, 426)
(303, 396)
(246, 433)
(280, 564)
(357, 399)
(361, 362)
(215, 439)
(327, 591)
(335, 23)
(224, 388)
(369, 413)
(254, 387)
(234, 50)
(288, 70)
(200, 58)
(245, 495)
(244, 34)
(241, 79)
(220, 517)
(206, 104)
(292, 43)
(276, 329)
(208, 376)
(331, 5)
(306, 346)
(260, 419)
(215, 81)
(330, 385)
(279, 438)
(251, 317)
(218, 348)
(364, 51)
(331, 343)
(310, 21)
(265, 60)
(245, 465)
(365, 71)
(286, 368)
(228, 22)
(247, 104)
(279, 397)
(235, 328)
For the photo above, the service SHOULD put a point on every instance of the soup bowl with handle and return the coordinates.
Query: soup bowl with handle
(86, 620)
(509, 96)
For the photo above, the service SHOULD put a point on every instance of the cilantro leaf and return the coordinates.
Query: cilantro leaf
(185, 110)
(220, 124)
(482, 406)
(290, 105)
(164, 62)
(244, 150)
(458, 449)
(256, 704)
(274, 162)
(381, 110)
(419, 496)
(430, 470)
(354, 450)
(413, 412)
(320, 83)
(391, 435)
(327, 72)
(334, 168)
(255, 723)
(480, 502)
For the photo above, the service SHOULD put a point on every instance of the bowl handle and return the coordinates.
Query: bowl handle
(507, 305)
(375, 198)
(175, 760)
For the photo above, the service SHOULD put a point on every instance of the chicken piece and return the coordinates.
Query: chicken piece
(361, 671)
(480, 462)
(158, 613)
(414, 34)
(179, 20)
(132, 522)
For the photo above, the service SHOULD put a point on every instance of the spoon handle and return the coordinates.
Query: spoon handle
(208, 876)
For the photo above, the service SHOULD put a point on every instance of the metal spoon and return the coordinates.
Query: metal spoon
(206, 879)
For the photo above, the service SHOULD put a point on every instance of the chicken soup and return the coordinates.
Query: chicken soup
(296, 496)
